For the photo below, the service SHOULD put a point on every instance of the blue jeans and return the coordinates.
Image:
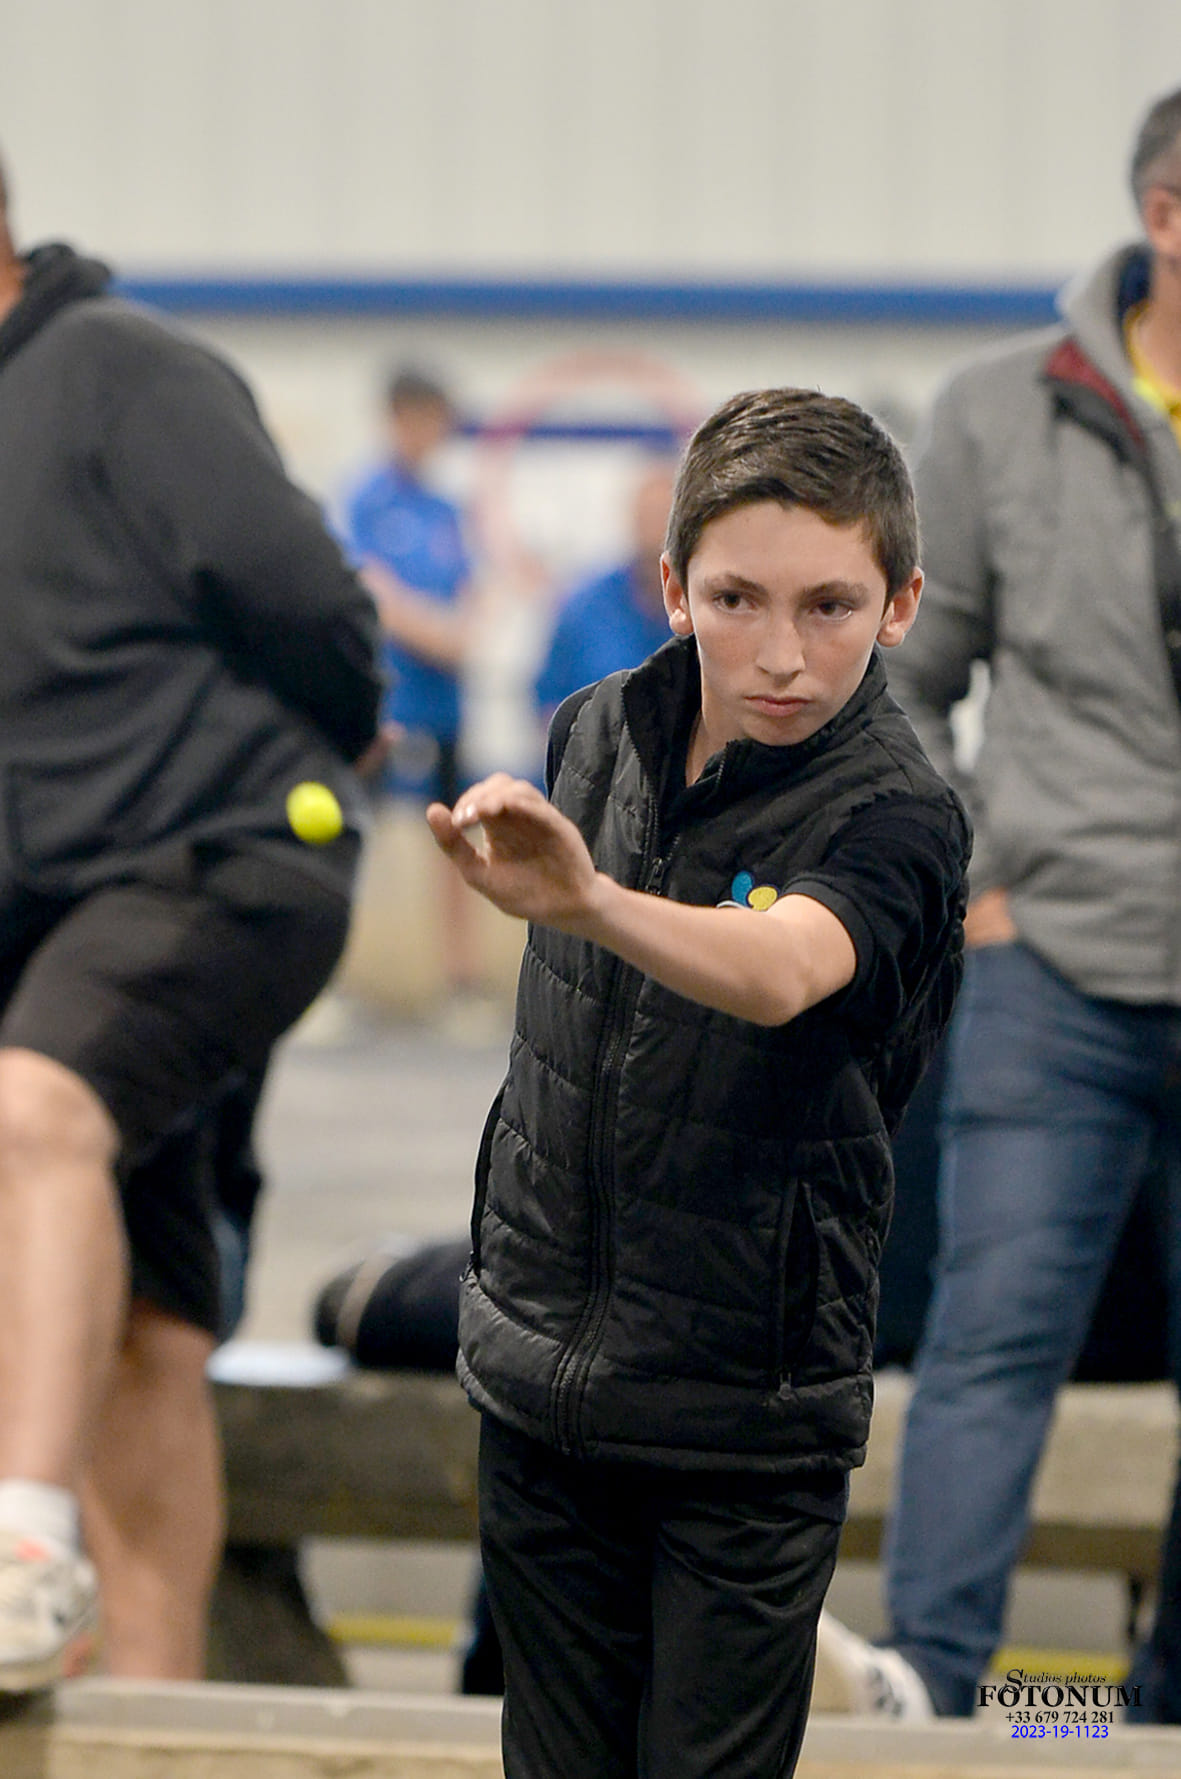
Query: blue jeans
(1052, 1105)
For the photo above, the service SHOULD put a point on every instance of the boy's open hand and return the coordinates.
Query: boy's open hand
(529, 861)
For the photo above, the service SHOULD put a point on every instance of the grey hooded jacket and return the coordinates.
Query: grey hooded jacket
(1039, 557)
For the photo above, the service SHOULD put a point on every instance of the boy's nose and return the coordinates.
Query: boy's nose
(781, 653)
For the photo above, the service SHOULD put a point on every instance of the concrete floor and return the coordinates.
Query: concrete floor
(371, 1128)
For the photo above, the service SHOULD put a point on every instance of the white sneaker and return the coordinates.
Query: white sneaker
(48, 1614)
(853, 1675)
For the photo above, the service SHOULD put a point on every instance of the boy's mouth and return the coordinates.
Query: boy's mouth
(776, 707)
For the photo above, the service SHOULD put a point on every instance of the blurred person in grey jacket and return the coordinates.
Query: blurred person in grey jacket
(1049, 489)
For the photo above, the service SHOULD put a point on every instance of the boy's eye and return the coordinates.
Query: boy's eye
(730, 600)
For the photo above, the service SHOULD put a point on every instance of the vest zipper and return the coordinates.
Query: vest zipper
(574, 1368)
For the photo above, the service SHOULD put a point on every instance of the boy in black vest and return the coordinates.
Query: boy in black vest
(745, 896)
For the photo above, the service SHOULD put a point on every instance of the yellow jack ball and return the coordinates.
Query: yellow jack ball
(314, 813)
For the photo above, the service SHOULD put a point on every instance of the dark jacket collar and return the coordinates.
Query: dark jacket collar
(660, 697)
(55, 276)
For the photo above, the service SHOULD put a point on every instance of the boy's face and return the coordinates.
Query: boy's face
(786, 609)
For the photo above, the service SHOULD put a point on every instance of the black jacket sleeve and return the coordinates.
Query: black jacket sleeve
(195, 472)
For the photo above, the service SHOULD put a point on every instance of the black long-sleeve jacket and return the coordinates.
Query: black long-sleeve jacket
(181, 640)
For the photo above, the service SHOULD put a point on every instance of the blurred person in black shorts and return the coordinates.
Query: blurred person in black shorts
(189, 674)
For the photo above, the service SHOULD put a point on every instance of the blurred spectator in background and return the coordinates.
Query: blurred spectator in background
(1049, 489)
(617, 619)
(189, 668)
(408, 540)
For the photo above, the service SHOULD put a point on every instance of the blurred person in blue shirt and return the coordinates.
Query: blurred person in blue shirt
(408, 542)
(618, 619)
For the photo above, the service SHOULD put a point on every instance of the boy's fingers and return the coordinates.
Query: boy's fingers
(447, 833)
(476, 804)
(498, 795)
(440, 822)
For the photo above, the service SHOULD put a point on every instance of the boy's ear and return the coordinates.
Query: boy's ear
(901, 611)
(676, 602)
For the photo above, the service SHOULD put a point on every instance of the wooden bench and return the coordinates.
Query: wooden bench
(316, 1448)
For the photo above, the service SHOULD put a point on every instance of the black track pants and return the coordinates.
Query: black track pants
(656, 1624)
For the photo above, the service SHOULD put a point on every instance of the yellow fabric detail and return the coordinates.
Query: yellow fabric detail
(1162, 396)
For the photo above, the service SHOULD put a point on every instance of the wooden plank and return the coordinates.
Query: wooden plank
(72, 1753)
(118, 1730)
(1110, 1457)
(123, 1730)
(318, 1449)
(980, 1748)
(1103, 1489)
(1129, 1550)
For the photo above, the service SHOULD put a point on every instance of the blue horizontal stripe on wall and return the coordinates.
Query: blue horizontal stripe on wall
(884, 305)
(580, 432)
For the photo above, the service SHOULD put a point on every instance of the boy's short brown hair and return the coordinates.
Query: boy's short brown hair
(801, 449)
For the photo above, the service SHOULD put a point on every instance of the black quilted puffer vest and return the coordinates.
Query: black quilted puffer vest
(679, 1214)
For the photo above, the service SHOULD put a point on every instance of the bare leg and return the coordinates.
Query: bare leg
(152, 1500)
(459, 913)
(63, 1266)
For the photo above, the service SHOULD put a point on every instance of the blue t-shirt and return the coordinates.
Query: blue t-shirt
(392, 519)
(602, 626)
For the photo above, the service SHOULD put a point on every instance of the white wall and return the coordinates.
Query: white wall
(319, 381)
(732, 137)
(723, 139)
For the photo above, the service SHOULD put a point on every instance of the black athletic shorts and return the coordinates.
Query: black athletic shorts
(166, 997)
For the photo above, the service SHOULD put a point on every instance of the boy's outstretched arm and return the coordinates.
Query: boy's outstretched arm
(532, 862)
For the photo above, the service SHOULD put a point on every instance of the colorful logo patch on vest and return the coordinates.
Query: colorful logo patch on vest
(746, 893)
